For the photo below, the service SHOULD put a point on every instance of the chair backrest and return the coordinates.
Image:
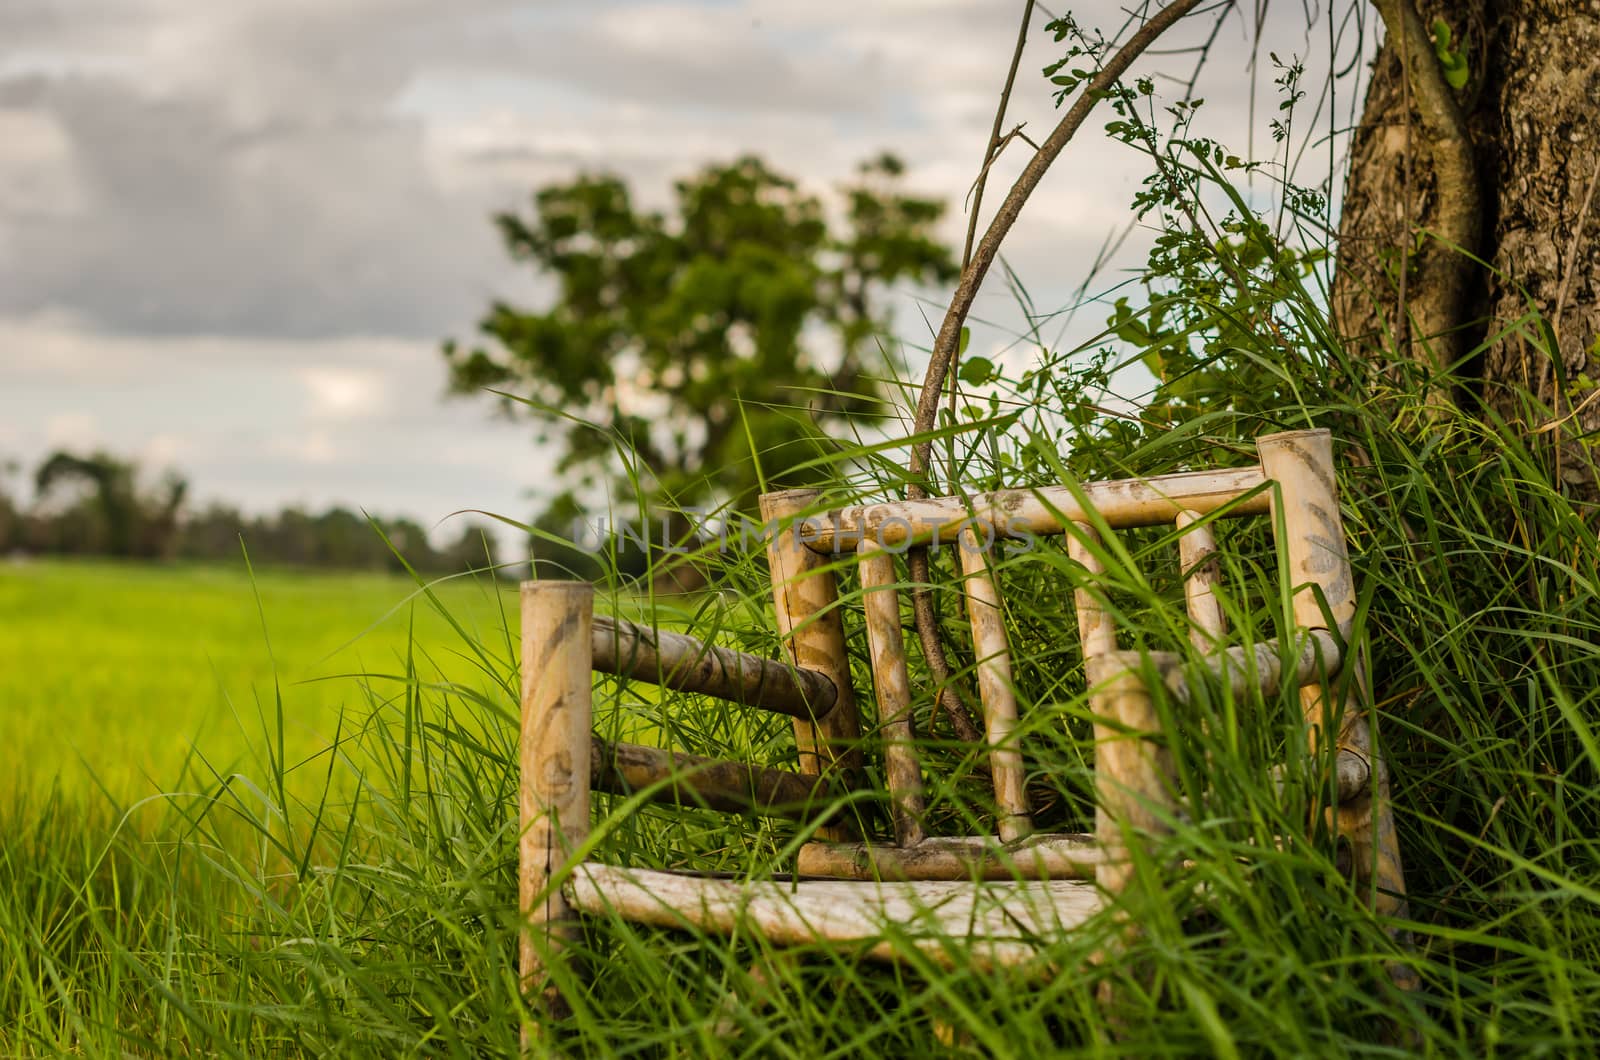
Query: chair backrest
(1293, 482)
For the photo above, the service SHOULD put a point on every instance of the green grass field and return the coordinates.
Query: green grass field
(336, 871)
(123, 677)
(364, 903)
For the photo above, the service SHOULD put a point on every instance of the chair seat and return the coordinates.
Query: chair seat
(951, 923)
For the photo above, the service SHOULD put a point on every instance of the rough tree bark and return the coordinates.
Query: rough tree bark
(1530, 119)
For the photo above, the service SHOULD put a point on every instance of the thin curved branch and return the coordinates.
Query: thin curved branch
(949, 337)
(975, 265)
(956, 705)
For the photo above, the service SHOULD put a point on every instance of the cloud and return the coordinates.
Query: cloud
(340, 393)
(231, 234)
(265, 422)
(71, 430)
(185, 222)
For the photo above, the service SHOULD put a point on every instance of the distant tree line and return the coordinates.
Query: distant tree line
(96, 505)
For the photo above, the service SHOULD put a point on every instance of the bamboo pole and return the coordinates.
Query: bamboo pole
(1301, 463)
(1133, 772)
(1307, 506)
(557, 620)
(1097, 633)
(1248, 669)
(1040, 856)
(1352, 777)
(998, 925)
(805, 596)
(893, 685)
(1040, 512)
(996, 690)
(1197, 551)
(688, 664)
(708, 783)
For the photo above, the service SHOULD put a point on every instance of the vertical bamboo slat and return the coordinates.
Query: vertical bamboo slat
(1096, 631)
(882, 605)
(805, 594)
(557, 646)
(1133, 774)
(1307, 503)
(995, 688)
(1098, 636)
(1197, 549)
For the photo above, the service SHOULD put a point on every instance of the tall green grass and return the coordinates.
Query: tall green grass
(362, 901)
(372, 912)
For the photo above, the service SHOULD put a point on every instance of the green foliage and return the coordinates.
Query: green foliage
(371, 910)
(115, 517)
(94, 506)
(688, 342)
(1452, 61)
(361, 901)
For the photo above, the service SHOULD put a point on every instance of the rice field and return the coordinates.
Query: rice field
(119, 679)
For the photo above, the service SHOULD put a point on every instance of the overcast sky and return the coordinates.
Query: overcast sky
(233, 232)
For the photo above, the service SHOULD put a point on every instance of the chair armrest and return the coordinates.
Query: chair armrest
(688, 664)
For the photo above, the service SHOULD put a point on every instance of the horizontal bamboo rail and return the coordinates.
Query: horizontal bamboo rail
(688, 664)
(1352, 777)
(1256, 668)
(1039, 512)
(1037, 857)
(950, 924)
(709, 783)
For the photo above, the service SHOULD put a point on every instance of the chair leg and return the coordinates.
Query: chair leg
(557, 645)
(1134, 778)
(1318, 561)
(1367, 824)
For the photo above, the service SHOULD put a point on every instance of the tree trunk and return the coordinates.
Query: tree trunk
(1530, 117)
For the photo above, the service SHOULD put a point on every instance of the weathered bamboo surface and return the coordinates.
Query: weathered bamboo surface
(1245, 669)
(1352, 776)
(1097, 632)
(889, 674)
(688, 664)
(1301, 463)
(805, 597)
(995, 689)
(710, 783)
(1133, 771)
(1043, 856)
(554, 789)
(1040, 512)
(993, 924)
(1197, 551)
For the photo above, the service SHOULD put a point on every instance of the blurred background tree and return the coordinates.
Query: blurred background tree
(740, 324)
(95, 505)
(104, 511)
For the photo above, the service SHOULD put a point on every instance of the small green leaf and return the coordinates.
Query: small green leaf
(976, 371)
(966, 337)
(1453, 63)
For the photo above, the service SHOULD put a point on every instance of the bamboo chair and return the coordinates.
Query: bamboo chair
(1000, 894)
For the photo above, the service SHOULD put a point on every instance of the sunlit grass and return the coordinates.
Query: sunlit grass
(334, 873)
(114, 675)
